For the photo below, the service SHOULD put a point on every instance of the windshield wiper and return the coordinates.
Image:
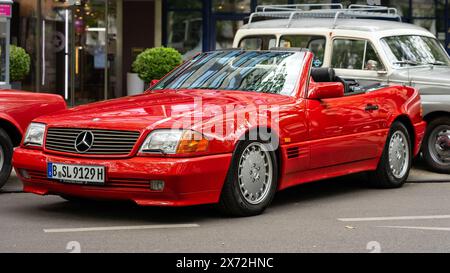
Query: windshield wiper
(437, 63)
(407, 62)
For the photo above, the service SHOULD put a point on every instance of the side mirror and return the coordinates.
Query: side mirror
(326, 90)
(153, 83)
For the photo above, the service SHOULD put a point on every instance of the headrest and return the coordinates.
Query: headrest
(323, 74)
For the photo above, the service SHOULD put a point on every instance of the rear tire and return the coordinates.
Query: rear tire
(435, 150)
(396, 160)
(6, 152)
(252, 180)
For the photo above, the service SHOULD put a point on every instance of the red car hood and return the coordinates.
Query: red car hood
(159, 109)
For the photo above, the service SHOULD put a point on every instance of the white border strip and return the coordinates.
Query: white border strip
(394, 218)
(116, 228)
(418, 228)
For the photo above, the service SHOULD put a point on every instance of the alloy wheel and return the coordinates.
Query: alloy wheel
(398, 154)
(255, 173)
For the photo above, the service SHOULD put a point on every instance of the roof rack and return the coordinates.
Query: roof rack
(334, 11)
(388, 10)
(290, 7)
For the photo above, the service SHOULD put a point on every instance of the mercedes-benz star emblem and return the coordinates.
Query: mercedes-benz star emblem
(84, 141)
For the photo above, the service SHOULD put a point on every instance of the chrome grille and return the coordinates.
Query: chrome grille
(106, 142)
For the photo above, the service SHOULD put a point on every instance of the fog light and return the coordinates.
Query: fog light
(24, 173)
(157, 185)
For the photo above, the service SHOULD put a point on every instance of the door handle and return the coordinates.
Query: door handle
(371, 107)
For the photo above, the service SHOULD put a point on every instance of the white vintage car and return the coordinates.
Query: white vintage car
(365, 45)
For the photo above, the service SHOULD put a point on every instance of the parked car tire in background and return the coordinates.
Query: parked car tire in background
(252, 180)
(436, 145)
(396, 161)
(6, 151)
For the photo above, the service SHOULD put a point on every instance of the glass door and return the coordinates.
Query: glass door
(89, 52)
(55, 30)
(78, 50)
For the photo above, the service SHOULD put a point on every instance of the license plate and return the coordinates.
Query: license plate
(78, 174)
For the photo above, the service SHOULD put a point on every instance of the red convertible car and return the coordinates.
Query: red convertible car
(17, 110)
(230, 127)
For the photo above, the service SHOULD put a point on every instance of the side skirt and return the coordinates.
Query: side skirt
(307, 176)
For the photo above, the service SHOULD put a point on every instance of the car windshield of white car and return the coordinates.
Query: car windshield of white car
(410, 50)
(275, 72)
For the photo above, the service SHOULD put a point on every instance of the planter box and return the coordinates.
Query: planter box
(135, 85)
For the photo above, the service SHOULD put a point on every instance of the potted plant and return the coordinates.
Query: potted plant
(134, 84)
(155, 63)
(19, 66)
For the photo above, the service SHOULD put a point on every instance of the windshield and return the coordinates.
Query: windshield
(414, 50)
(273, 72)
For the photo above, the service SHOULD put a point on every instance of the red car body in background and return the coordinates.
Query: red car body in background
(17, 110)
(136, 148)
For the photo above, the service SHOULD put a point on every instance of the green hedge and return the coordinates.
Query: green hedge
(155, 63)
(19, 63)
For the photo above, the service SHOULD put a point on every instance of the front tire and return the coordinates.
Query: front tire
(252, 180)
(6, 152)
(396, 160)
(436, 145)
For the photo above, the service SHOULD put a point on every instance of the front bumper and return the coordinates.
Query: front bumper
(188, 181)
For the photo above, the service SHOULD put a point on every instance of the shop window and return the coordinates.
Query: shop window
(183, 4)
(258, 43)
(315, 43)
(313, 2)
(185, 32)
(272, 2)
(236, 6)
(24, 34)
(225, 31)
(355, 54)
(401, 5)
(423, 9)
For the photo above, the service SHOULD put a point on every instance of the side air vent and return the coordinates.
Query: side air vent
(293, 152)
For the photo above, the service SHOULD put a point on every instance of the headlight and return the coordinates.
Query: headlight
(34, 135)
(174, 142)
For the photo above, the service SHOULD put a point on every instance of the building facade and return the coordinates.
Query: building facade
(83, 49)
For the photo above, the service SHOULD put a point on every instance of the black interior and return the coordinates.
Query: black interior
(327, 74)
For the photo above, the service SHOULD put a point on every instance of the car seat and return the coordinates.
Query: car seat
(327, 74)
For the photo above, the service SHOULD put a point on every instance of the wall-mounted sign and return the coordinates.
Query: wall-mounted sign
(5, 10)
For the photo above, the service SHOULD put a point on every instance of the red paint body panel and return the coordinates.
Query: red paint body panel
(319, 139)
(326, 90)
(187, 181)
(20, 108)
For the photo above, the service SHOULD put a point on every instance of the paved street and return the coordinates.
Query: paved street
(340, 215)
